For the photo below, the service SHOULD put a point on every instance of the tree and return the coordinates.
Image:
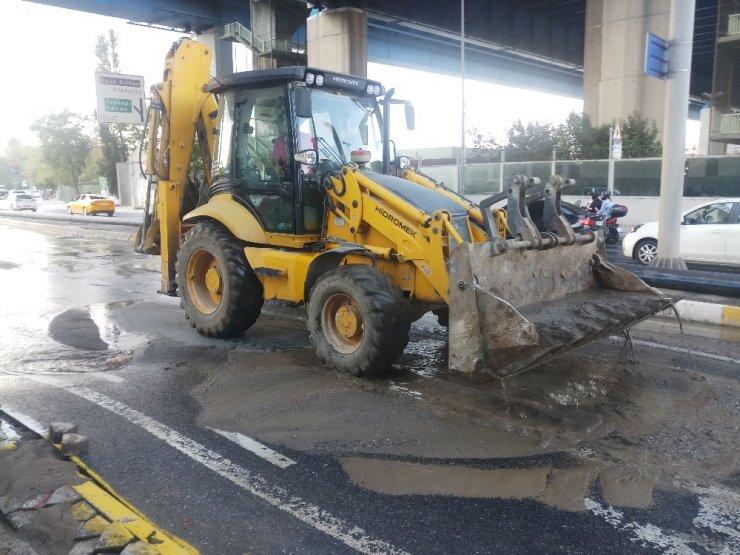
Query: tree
(64, 144)
(640, 140)
(534, 141)
(577, 139)
(116, 139)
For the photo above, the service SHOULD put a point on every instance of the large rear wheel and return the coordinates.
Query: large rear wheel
(358, 320)
(220, 292)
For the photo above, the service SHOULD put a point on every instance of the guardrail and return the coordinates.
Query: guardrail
(729, 123)
(733, 24)
(263, 47)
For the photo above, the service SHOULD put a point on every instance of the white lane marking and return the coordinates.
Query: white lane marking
(257, 448)
(678, 349)
(310, 514)
(27, 421)
(647, 533)
(109, 377)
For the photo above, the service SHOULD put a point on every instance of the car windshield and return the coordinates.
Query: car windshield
(340, 125)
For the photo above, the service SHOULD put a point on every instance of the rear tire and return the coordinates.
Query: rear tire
(220, 292)
(645, 251)
(84, 212)
(358, 320)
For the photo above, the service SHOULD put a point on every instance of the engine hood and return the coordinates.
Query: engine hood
(421, 197)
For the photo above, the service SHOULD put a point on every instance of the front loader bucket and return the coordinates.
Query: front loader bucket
(513, 304)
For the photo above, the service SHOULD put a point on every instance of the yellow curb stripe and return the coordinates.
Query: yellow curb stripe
(731, 316)
(132, 520)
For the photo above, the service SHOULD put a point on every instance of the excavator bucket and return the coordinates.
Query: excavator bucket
(518, 302)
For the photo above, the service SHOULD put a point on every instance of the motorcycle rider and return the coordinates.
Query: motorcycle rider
(606, 205)
(595, 203)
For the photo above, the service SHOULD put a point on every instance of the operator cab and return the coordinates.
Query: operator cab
(282, 130)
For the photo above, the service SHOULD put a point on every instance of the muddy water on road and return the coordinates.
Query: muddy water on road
(609, 424)
(40, 278)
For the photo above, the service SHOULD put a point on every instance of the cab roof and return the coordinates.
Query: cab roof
(267, 77)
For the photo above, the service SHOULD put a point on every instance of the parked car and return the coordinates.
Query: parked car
(710, 233)
(88, 204)
(15, 200)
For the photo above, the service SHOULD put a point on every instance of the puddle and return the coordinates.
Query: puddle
(562, 487)
(79, 340)
(77, 329)
(4, 265)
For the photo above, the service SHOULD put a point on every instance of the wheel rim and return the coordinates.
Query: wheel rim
(204, 281)
(646, 253)
(342, 322)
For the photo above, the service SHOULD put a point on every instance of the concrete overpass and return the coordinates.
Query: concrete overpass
(534, 44)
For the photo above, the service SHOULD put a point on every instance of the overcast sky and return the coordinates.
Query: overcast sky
(48, 65)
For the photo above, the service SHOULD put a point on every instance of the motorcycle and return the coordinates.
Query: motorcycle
(612, 230)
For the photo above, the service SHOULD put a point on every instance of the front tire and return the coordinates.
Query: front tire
(645, 251)
(84, 212)
(69, 211)
(358, 320)
(220, 292)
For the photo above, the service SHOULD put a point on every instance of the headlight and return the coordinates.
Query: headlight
(635, 227)
(404, 162)
(377, 91)
(319, 80)
(310, 78)
(370, 89)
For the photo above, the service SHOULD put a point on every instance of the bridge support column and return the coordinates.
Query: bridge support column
(222, 62)
(614, 83)
(337, 41)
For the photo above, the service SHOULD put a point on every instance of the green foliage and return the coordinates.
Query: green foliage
(533, 141)
(639, 140)
(65, 145)
(576, 139)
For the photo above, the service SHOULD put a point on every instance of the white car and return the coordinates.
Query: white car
(710, 233)
(19, 201)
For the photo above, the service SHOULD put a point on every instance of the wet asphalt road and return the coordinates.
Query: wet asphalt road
(85, 338)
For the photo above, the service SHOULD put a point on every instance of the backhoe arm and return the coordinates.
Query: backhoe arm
(180, 110)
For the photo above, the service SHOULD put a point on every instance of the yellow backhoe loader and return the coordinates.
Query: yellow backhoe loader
(303, 200)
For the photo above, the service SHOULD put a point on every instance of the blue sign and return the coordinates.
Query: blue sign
(656, 57)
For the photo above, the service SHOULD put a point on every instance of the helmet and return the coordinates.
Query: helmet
(605, 194)
(594, 196)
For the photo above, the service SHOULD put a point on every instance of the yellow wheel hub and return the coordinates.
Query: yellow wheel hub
(204, 281)
(213, 280)
(342, 322)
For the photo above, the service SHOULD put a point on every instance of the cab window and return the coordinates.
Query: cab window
(263, 156)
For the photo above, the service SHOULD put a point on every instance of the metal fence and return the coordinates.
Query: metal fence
(709, 176)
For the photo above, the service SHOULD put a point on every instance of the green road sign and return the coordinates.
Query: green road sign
(118, 105)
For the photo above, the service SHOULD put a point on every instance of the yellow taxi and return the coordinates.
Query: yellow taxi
(89, 204)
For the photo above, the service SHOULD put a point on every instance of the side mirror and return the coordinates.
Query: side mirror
(308, 157)
(302, 98)
(409, 111)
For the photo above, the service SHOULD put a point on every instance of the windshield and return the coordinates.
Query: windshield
(343, 124)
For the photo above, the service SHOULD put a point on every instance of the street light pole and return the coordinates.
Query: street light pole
(463, 161)
(674, 134)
